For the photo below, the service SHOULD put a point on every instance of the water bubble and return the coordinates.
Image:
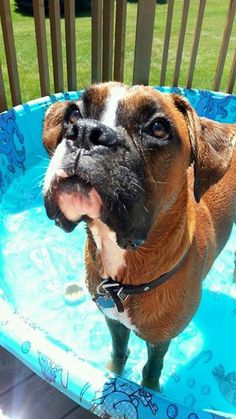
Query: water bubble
(172, 411)
(191, 383)
(26, 346)
(189, 401)
(206, 390)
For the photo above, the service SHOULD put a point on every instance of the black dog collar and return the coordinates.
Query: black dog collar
(119, 293)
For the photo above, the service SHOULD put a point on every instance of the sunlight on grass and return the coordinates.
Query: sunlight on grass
(211, 36)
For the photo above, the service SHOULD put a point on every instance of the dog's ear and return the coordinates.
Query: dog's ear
(53, 126)
(212, 145)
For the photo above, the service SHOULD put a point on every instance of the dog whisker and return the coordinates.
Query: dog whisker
(39, 191)
(40, 177)
(145, 209)
(43, 167)
(137, 186)
(41, 182)
(43, 157)
(51, 151)
(123, 205)
(111, 206)
(161, 183)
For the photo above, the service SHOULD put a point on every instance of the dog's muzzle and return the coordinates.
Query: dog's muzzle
(72, 194)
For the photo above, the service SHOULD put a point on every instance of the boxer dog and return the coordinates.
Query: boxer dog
(156, 187)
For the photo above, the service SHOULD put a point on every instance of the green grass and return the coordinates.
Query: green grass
(211, 36)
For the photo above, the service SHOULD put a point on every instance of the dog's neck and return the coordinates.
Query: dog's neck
(167, 242)
(128, 266)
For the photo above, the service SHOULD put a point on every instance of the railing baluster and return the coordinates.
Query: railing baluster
(143, 43)
(41, 42)
(55, 29)
(108, 23)
(69, 6)
(198, 28)
(224, 44)
(121, 8)
(232, 76)
(181, 41)
(102, 44)
(3, 100)
(166, 42)
(96, 21)
(10, 51)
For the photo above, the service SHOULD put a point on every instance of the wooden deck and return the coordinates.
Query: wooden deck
(24, 395)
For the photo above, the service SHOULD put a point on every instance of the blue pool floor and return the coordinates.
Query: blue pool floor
(38, 261)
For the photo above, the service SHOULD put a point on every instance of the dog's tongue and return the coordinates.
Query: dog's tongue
(76, 204)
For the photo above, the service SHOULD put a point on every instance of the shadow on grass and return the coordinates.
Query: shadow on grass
(25, 8)
(157, 1)
(83, 9)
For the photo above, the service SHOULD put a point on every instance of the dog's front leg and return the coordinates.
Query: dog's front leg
(152, 369)
(120, 352)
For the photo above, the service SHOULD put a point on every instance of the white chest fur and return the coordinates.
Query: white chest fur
(109, 310)
(113, 259)
(112, 256)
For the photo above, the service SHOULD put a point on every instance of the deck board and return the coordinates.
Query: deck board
(12, 372)
(25, 395)
(80, 413)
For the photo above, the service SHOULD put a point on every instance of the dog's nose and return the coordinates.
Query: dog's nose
(87, 133)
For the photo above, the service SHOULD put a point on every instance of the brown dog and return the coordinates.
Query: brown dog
(156, 186)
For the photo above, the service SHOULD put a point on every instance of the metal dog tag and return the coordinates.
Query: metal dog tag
(104, 303)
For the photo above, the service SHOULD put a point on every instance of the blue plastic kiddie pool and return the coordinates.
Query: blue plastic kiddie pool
(68, 344)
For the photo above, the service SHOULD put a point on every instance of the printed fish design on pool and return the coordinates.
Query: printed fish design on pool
(50, 370)
(9, 134)
(122, 399)
(226, 383)
(214, 107)
(204, 357)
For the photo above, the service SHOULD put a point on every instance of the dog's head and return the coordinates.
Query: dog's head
(121, 154)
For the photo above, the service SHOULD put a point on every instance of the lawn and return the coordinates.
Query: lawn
(211, 36)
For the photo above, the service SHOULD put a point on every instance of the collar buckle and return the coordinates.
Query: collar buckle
(105, 286)
(122, 295)
(108, 286)
(115, 291)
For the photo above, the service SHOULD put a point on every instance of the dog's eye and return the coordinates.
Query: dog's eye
(159, 130)
(74, 115)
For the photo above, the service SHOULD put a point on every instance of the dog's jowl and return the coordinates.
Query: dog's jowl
(156, 187)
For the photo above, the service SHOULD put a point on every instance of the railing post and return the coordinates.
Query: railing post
(108, 18)
(181, 42)
(41, 42)
(121, 8)
(202, 4)
(69, 7)
(55, 30)
(232, 76)
(3, 100)
(224, 44)
(10, 50)
(143, 43)
(166, 42)
(96, 22)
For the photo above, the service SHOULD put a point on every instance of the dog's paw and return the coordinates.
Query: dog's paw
(116, 364)
(152, 384)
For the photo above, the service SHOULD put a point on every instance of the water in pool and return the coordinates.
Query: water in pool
(38, 261)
